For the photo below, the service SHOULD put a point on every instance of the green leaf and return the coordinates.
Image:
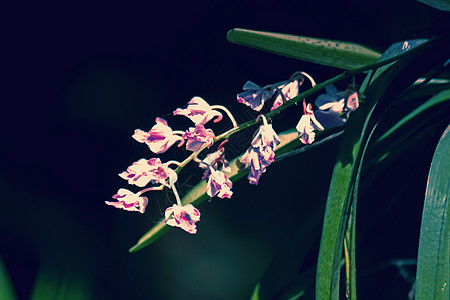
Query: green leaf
(338, 54)
(6, 288)
(439, 98)
(384, 85)
(197, 195)
(438, 4)
(433, 261)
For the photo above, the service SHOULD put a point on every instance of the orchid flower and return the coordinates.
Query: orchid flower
(330, 106)
(258, 160)
(265, 136)
(307, 124)
(254, 95)
(127, 200)
(184, 217)
(198, 136)
(143, 171)
(159, 138)
(288, 91)
(261, 152)
(218, 184)
(199, 111)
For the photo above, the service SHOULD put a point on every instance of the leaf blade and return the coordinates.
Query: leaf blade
(433, 262)
(338, 54)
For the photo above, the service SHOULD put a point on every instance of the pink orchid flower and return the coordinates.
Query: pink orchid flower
(254, 95)
(352, 101)
(127, 200)
(159, 138)
(199, 111)
(265, 137)
(261, 153)
(289, 91)
(197, 137)
(219, 185)
(307, 124)
(258, 159)
(184, 217)
(143, 171)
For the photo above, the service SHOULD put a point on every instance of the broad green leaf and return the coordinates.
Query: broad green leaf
(197, 195)
(433, 261)
(384, 85)
(6, 288)
(338, 54)
(438, 4)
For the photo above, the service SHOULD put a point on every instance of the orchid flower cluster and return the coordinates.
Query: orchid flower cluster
(333, 110)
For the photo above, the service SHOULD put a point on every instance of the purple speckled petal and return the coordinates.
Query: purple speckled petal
(127, 200)
(184, 217)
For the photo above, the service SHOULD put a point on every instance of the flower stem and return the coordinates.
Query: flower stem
(178, 132)
(154, 188)
(176, 195)
(264, 119)
(313, 83)
(174, 162)
(317, 87)
(227, 112)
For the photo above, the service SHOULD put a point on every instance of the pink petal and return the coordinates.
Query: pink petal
(127, 200)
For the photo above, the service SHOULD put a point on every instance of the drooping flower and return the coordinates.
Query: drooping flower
(254, 95)
(307, 125)
(261, 152)
(215, 160)
(184, 217)
(351, 101)
(265, 137)
(289, 91)
(127, 200)
(258, 160)
(143, 171)
(199, 111)
(159, 138)
(197, 136)
(330, 105)
(219, 185)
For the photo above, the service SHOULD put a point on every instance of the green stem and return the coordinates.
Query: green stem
(238, 127)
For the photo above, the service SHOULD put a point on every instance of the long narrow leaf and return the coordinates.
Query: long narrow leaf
(383, 85)
(433, 261)
(338, 54)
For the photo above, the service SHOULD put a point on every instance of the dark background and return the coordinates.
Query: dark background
(79, 80)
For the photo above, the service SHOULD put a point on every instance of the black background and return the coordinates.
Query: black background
(80, 79)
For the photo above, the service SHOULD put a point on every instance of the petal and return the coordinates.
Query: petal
(249, 85)
(316, 123)
(353, 101)
(329, 119)
(140, 136)
(253, 99)
(332, 91)
(127, 200)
